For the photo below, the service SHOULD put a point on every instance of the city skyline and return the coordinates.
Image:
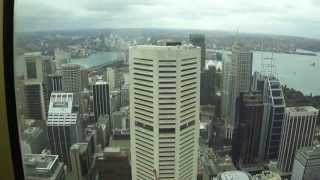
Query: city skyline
(274, 17)
(190, 99)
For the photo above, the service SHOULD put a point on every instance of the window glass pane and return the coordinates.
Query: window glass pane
(164, 89)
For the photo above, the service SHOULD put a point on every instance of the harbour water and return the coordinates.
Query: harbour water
(300, 72)
(97, 59)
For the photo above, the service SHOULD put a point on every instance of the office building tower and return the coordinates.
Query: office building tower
(258, 82)
(34, 66)
(43, 167)
(79, 161)
(36, 70)
(82, 157)
(274, 106)
(86, 105)
(306, 163)
(110, 78)
(34, 100)
(227, 92)
(207, 87)
(241, 75)
(84, 78)
(120, 119)
(124, 95)
(266, 175)
(115, 101)
(101, 99)
(71, 80)
(54, 83)
(49, 65)
(207, 113)
(242, 67)
(103, 131)
(113, 163)
(61, 57)
(297, 131)
(246, 137)
(199, 40)
(63, 126)
(164, 111)
(36, 138)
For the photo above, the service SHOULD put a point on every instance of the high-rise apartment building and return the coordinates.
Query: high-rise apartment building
(246, 138)
(63, 126)
(199, 40)
(306, 163)
(71, 80)
(43, 167)
(297, 131)
(34, 100)
(274, 107)
(101, 99)
(164, 111)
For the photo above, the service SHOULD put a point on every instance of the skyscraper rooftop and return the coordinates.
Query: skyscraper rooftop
(234, 175)
(43, 166)
(302, 109)
(61, 103)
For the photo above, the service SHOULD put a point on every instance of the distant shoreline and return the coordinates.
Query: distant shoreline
(283, 52)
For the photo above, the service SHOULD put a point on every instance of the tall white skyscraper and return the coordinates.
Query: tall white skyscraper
(164, 111)
(101, 99)
(63, 126)
(297, 131)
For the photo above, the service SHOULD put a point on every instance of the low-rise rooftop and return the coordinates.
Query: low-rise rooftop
(302, 109)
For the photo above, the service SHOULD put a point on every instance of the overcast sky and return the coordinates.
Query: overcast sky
(288, 17)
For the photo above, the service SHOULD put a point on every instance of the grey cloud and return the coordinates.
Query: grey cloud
(272, 17)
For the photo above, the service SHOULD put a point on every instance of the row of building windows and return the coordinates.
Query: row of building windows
(187, 125)
(143, 64)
